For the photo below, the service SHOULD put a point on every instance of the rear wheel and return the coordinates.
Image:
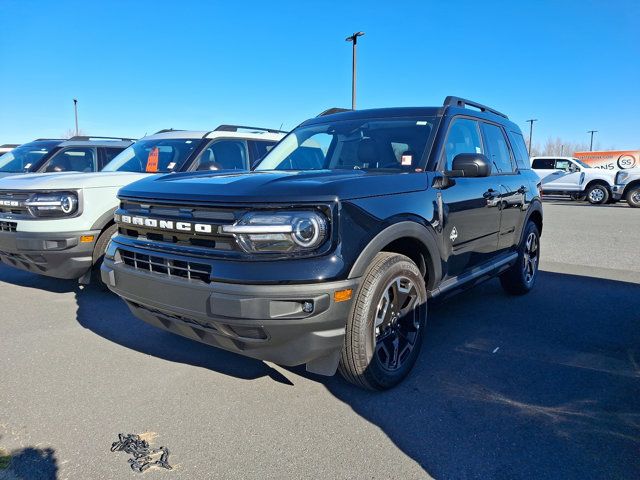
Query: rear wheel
(633, 197)
(597, 194)
(385, 329)
(521, 276)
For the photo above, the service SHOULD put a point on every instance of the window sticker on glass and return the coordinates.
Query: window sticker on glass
(171, 165)
(478, 150)
(152, 160)
(421, 122)
(407, 159)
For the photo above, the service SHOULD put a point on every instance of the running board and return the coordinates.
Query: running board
(455, 282)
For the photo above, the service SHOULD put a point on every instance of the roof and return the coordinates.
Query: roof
(196, 134)
(451, 106)
(96, 143)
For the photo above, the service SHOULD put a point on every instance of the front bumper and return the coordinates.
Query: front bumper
(265, 322)
(617, 191)
(60, 255)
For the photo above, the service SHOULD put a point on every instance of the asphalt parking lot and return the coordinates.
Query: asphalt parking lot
(541, 386)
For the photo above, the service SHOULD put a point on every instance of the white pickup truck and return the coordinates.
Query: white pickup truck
(570, 176)
(628, 186)
(59, 224)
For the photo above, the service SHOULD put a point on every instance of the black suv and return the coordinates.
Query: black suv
(327, 253)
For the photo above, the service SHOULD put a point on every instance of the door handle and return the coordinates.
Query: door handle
(557, 173)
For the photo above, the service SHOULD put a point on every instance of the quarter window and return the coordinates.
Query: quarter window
(463, 137)
(497, 149)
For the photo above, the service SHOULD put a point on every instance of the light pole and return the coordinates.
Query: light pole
(75, 110)
(354, 40)
(591, 132)
(530, 121)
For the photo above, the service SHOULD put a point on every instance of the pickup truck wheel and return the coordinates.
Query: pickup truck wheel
(633, 197)
(597, 194)
(521, 276)
(98, 254)
(385, 329)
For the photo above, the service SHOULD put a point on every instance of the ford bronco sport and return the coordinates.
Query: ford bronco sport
(59, 224)
(327, 253)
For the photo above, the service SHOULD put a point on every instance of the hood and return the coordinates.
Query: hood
(276, 186)
(68, 180)
(8, 174)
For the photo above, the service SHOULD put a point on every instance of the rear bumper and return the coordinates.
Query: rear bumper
(59, 255)
(266, 322)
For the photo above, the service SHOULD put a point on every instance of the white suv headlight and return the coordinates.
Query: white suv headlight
(53, 204)
(279, 232)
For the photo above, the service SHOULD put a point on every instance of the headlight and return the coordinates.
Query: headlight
(62, 204)
(621, 177)
(279, 232)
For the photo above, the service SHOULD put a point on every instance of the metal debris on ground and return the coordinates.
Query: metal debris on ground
(142, 457)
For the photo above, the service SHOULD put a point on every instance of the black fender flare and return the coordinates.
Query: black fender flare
(536, 206)
(105, 219)
(397, 231)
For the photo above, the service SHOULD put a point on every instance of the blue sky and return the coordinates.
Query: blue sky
(138, 66)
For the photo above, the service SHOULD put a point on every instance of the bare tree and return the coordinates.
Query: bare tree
(71, 132)
(561, 147)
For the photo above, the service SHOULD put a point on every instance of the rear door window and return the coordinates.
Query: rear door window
(497, 149)
(544, 164)
(519, 150)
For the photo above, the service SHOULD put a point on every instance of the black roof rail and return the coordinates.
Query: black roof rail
(235, 128)
(332, 110)
(165, 130)
(41, 139)
(462, 103)
(92, 137)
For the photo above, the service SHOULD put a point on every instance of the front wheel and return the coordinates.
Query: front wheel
(597, 194)
(98, 254)
(385, 329)
(521, 276)
(633, 197)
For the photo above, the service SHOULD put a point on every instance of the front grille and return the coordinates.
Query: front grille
(172, 214)
(8, 226)
(166, 266)
(13, 202)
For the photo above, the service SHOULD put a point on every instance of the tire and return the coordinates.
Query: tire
(381, 343)
(98, 254)
(633, 197)
(597, 194)
(521, 276)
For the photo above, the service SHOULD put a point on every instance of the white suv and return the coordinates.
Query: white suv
(59, 224)
(570, 176)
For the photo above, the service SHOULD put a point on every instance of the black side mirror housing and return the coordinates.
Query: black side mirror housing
(470, 165)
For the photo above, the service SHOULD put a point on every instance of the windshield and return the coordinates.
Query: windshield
(153, 156)
(581, 163)
(363, 144)
(26, 158)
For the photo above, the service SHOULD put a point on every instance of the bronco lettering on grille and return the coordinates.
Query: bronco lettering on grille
(178, 226)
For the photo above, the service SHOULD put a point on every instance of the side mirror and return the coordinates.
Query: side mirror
(470, 165)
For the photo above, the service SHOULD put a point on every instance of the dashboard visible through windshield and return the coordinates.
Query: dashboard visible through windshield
(363, 144)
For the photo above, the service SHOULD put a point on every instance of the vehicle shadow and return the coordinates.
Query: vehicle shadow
(107, 315)
(541, 386)
(29, 462)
